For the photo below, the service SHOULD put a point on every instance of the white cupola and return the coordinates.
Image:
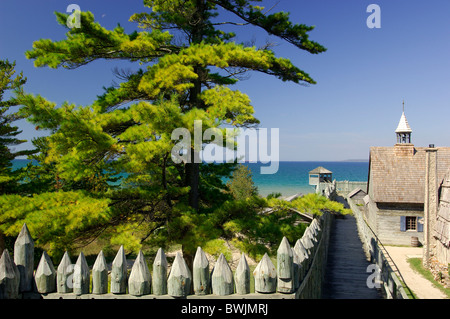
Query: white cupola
(403, 130)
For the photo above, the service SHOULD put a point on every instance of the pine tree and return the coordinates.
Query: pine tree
(241, 184)
(8, 132)
(190, 65)
(9, 84)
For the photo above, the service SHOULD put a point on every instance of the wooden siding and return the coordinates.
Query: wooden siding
(388, 227)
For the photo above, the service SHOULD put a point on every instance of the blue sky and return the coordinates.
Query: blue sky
(362, 79)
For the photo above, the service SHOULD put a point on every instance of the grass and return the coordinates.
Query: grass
(408, 291)
(416, 264)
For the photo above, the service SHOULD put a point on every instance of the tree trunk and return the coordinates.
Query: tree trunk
(193, 168)
(2, 242)
(192, 179)
(188, 257)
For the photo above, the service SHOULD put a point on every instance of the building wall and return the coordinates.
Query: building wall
(442, 254)
(389, 226)
(345, 187)
(359, 198)
(385, 221)
(370, 213)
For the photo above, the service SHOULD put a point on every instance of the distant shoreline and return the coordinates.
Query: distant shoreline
(329, 161)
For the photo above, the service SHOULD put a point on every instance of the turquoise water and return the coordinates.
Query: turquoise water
(292, 177)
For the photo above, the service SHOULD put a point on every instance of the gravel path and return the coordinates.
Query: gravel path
(421, 287)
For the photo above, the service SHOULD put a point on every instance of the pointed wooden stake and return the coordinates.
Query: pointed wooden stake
(140, 280)
(303, 258)
(45, 275)
(81, 276)
(284, 260)
(9, 277)
(119, 273)
(307, 243)
(179, 282)
(285, 267)
(160, 273)
(316, 224)
(64, 275)
(265, 276)
(24, 258)
(311, 234)
(242, 276)
(100, 275)
(222, 278)
(297, 269)
(200, 272)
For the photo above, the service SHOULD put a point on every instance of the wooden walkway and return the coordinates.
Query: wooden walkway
(345, 275)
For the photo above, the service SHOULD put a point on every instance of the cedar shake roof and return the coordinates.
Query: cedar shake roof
(355, 191)
(320, 170)
(397, 174)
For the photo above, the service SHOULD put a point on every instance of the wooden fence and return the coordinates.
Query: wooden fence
(373, 247)
(298, 273)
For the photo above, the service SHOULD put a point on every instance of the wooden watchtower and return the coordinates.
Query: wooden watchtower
(320, 175)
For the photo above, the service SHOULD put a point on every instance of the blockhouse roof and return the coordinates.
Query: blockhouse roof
(320, 170)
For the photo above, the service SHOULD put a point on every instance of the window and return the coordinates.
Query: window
(411, 223)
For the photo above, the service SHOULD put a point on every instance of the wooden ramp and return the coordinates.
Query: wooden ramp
(346, 272)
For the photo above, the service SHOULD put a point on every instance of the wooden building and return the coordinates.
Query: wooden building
(436, 248)
(394, 206)
(357, 195)
(320, 175)
(441, 231)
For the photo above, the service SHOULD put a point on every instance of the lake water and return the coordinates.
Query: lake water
(293, 178)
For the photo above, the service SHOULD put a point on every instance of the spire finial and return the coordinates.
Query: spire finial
(403, 106)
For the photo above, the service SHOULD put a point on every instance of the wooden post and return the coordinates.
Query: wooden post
(265, 276)
(81, 276)
(297, 269)
(100, 275)
(303, 258)
(119, 273)
(140, 279)
(200, 272)
(9, 277)
(307, 243)
(45, 275)
(285, 267)
(160, 273)
(222, 278)
(242, 277)
(316, 224)
(310, 232)
(64, 275)
(24, 258)
(179, 282)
